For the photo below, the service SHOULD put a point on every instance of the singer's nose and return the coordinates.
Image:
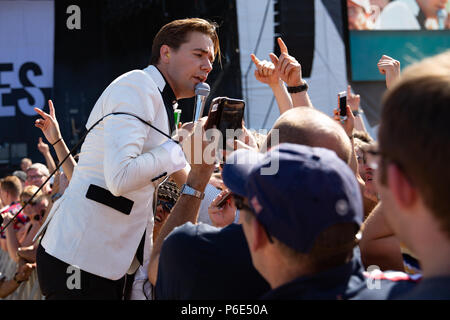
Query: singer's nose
(207, 65)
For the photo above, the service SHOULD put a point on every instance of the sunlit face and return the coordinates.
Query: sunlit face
(28, 210)
(40, 207)
(35, 178)
(190, 64)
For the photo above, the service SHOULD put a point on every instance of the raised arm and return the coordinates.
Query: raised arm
(290, 72)
(390, 68)
(353, 101)
(45, 150)
(266, 73)
(379, 245)
(50, 127)
(186, 208)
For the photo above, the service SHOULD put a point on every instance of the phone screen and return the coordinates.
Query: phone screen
(232, 114)
(342, 104)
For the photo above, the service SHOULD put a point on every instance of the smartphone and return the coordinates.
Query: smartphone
(226, 197)
(225, 113)
(342, 103)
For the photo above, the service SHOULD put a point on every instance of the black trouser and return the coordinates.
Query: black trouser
(58, 281)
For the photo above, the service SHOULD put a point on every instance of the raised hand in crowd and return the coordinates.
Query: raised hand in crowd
(266, 72)
(225, 214)
(354, 101)
(390, 68)
(50, 127)
(45, 150)
(282, 69)
(48, 124)
(349, 123)
(290, 71)
(9, 286)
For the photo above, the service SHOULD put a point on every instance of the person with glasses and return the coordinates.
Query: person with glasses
(187, 261)
(301, 223)
(34, 213)
(37, 173)
(412, 174)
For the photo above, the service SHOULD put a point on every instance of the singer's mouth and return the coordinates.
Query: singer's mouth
(200, 79)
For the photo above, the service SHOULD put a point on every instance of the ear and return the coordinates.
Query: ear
(405, 194)
(164, 53)
(260, 239)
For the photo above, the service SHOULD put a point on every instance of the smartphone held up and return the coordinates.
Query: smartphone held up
(342, 104)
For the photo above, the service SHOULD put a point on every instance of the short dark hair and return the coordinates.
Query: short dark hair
(414, 132)
(332, 247)
(175, 33)
(11, 185)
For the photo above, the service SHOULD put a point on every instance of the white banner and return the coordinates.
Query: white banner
(26, 55)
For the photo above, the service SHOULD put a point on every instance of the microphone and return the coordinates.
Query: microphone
(201, 93)
(441, 16)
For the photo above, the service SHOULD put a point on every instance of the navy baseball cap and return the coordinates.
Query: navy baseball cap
(311, 190)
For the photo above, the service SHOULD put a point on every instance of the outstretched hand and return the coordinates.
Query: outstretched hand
(353, 100)
(285, 68)
(288, 68)
(265, 71)
(349, 123)
(224, 215)
(390, 68)
(43, 147)
(48, 124)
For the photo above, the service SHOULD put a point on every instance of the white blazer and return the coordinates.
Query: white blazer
(123, 155)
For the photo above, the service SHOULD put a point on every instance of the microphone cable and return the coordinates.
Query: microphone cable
(2, 229)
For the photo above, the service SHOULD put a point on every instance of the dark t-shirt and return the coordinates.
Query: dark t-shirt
(203, 262)
(437, 288)
(344, 282)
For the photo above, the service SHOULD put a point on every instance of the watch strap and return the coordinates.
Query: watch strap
(300, 88)
(186, 189)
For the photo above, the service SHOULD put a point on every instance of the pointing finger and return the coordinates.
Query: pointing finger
(255, 60)
(52, 108)
(282, 45)
(41, 113)
(274, 59)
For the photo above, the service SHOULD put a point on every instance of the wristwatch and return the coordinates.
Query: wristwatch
(300, 88)
(17, 281)
(185, 189)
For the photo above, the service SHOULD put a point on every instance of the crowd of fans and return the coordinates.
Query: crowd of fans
(344, 216)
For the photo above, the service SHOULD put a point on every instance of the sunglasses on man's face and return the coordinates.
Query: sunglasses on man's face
(240, 204)
(167, 206)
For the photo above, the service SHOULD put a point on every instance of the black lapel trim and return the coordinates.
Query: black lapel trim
(169, 100)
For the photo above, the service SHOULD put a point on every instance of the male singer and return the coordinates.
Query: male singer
(96, 228)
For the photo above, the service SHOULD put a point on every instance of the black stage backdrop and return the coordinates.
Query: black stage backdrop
(116, 37)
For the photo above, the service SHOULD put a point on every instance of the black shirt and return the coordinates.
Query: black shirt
(347, 281)
(437, 288)
(203, 262)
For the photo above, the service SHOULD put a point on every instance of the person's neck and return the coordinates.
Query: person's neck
(169, 81)
(436, 262)
(281, 272)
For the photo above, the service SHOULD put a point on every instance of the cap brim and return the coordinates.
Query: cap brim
(237, 169)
